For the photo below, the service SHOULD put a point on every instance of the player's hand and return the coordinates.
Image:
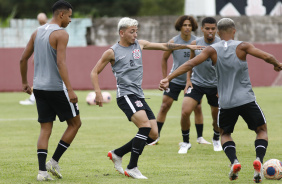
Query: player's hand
(196, 47)
(72, 96)
(163, 84)
(278, 68)
(26, 88)
(188, 84)
(99, 99)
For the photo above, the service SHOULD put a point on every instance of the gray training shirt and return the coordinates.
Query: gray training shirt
(128, 69)
(179, 57)
(46, 73)
(204, 74)
(234, 85)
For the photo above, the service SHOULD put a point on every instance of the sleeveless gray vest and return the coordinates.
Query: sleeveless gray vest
(128, 69)
(204, 74)
(46, 73)
(234, 85)
(180, 57)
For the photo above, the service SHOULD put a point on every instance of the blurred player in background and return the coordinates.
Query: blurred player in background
(51, 86)
(125, 58)
(236, 97)
(42, 19)
(185, 24)
(202, 82)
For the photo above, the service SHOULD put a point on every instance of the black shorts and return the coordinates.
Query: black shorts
(130, 104)
(250, 112)
(52, 103)
(174, 90)
(197, 93)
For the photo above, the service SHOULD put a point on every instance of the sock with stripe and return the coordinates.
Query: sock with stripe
(216, 135)
(199, 128)
(261, 145)
(124, 149)
(230, 150)
(185, 135)
(42, 155)
(61, 148)
(138, 143)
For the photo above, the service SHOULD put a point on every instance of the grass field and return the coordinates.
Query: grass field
(106, 128)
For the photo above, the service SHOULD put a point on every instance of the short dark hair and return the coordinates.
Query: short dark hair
(61, 4)
(179, 22)
(208, 20)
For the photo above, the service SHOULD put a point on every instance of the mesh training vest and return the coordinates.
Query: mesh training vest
(179, 57)
(46, 73)
(204, 74)
(234, 85)
(128, 69)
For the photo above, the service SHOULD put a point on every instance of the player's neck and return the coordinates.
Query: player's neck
(186, 37)
(209, 41)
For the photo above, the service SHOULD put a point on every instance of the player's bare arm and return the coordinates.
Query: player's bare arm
(24, 63)
(107, 57)
(59, 40)
(165, 57)
(167, 46)
(189, 73)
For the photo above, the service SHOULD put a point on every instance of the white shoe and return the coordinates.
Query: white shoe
(27, 102)
(201, 140)
(134, 173)
(258, 175)
(44, 176)
(184, 148)
(53, 167)
(234, 171)
(154, 142)
(117, 161)
(216, 145)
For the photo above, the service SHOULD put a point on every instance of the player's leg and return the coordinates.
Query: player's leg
(216, 142)
(199, 123)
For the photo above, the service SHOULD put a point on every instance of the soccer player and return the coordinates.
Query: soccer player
(236, 96)
(42, 19)
(51, 86)
(202, 82)
(185, 24)
(125, 58)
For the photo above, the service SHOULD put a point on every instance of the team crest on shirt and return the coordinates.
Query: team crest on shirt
(136, 53)
(139, 103)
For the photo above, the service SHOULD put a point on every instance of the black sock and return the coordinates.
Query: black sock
(61, 148)
(138, 143)
(160, 126)
(42, 155)
(261, 145)
(149, 140)
(124, 149)
(185, 135)
(216, 135)
(199, 128)
(230, 150)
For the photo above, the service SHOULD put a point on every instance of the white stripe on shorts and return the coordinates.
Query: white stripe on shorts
(261, 112)
(130, 104)
(71, 104)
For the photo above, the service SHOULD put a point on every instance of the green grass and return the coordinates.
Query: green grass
(106, 128)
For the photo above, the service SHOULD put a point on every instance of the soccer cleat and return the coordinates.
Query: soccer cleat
(154, 142)
(184, 147)
(117, 161)
(216, 145)
(134, 173)
(27, 102)
(53, 167)
(44, 176)
(201, 140)
(258, 175)
(234, 171)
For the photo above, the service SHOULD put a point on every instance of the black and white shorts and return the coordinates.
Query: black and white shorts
(250, 112)
(174, 90)
(52, 103)
(197, 93)
(130, 104)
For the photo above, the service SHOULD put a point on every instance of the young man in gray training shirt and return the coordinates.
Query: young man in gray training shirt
(236, 96)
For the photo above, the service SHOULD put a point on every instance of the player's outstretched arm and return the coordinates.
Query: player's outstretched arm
(108, 56)
(189, 73)
(165, 57)
(23, 63)
(167, 46)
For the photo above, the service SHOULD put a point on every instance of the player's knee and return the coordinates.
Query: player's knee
(165, 107)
